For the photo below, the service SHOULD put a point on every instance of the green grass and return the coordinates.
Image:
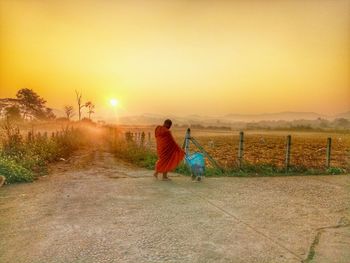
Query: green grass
(335, 170)
(131, 152)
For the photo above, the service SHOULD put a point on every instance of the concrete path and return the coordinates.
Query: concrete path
(103, 210)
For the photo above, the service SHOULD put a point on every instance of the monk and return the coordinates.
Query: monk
(169, 153)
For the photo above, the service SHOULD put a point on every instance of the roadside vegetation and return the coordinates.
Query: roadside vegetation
(23, 159)
(31, 136)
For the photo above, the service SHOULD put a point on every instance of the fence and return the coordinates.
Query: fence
(32, 136)
(238, 150)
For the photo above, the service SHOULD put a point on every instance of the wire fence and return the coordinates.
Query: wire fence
(310, 151)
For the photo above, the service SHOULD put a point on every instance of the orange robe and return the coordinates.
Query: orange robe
(169, 153)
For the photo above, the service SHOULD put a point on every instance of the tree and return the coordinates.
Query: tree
(33, 105)
(79, 102)
(13, 113)
(342, 123)
(90, 107)
(323, 123)
(69, 111)
(49, 114)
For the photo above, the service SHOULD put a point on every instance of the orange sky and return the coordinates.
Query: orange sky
(180, 57)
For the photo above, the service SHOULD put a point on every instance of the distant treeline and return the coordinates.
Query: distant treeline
(340, 124)
(200, 126)
(318, 124)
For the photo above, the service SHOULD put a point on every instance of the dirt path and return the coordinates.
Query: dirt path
(103, 210)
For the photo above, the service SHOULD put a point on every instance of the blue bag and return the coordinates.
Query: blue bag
(196, 162)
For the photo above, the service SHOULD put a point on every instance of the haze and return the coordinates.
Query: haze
(180, 57)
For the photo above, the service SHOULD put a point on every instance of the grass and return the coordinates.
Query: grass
(23, 160)
(131, 152)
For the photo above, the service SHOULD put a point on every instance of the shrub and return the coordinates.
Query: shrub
(335, 170)
(14, 172)
(23, 160)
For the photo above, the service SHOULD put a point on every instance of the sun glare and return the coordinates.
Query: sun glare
(114, 102)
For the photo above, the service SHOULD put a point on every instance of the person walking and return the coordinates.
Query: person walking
(169, 152)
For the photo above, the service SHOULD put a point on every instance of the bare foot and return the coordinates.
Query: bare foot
(155, 175)
(166, 179)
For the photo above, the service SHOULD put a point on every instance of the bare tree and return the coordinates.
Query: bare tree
(69, 111)
(90, 107)
(79, 102)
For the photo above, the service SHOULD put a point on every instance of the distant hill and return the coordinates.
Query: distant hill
(152, 119)
(223, 120)
(286, 116)
(227, 120)
(345, 115)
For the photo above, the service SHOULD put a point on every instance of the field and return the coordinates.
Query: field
(308, 149)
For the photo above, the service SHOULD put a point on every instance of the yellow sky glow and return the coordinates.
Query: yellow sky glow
(180, 57)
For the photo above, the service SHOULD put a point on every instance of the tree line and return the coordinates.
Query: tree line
(29, 105)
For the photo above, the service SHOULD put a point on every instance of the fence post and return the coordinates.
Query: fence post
(149, 140)
(143, 136)
(241, 149)
(289, 143)
(185, 145)
(113, 131)
(29, 136)
(328, 152)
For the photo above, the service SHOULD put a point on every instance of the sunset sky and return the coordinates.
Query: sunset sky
(180, 57)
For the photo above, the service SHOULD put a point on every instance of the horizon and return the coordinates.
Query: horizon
(207, 115)
(180, 58)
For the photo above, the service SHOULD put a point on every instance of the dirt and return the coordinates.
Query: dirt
(94, 208)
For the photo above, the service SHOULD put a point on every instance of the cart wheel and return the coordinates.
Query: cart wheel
(199, 178)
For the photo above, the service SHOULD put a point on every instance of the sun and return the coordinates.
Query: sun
(114, 102)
